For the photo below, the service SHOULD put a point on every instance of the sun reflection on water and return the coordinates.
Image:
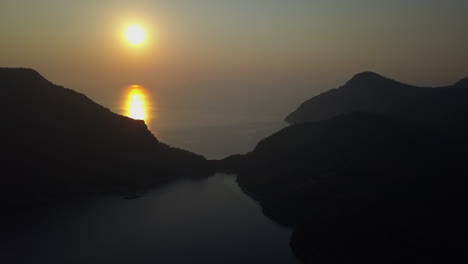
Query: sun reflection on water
(137, 104)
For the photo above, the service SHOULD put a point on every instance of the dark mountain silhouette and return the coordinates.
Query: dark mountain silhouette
(373, 93)
(56, 142)
(377, 175)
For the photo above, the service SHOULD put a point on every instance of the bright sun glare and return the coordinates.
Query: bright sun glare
(135, 35)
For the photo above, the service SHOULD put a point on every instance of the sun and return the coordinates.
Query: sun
(135, 35)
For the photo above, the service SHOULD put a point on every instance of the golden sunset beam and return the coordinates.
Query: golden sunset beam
(137, 103)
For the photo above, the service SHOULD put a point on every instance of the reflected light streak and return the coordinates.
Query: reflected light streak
(137, 104)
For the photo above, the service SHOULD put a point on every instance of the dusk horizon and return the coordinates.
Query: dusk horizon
(247, 131)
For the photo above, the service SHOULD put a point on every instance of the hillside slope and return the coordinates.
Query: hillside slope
(55, 142)
(362, 188)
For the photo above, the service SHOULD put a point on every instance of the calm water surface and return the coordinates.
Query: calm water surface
(206, 221)
(211, 131)
(221, 140)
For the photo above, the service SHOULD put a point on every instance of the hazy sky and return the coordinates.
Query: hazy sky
(232, 56)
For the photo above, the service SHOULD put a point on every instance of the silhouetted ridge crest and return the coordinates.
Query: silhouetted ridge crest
(21, 76)
(368, 78)
(373, 93)
(25, 72)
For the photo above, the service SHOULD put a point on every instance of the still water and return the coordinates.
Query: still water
(205, 221)
(213, 132)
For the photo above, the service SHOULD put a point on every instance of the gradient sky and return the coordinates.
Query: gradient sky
(255, 57)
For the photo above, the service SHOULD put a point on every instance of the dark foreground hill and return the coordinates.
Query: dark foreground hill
(362, 188)
(56, 142)
(373, 93)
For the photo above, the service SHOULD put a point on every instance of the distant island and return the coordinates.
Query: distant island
(58, 143)
(374, 93)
